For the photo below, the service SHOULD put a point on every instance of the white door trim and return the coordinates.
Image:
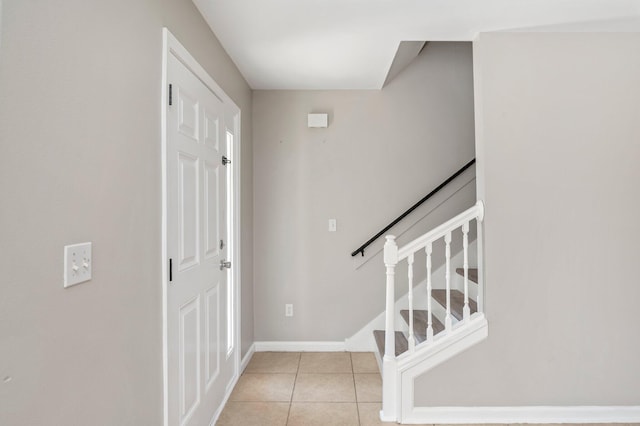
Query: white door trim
(171, 46)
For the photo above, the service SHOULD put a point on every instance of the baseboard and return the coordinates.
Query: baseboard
(549, 414)
(299, 346)
(247, 358)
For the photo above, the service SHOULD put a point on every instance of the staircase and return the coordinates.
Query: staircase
(420, 317)
(434, 335)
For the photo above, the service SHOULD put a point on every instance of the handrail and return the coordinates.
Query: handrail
(412, 208)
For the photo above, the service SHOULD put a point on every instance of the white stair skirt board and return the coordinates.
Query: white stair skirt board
(462, 337)
(444, 347)
(300, 346)
(533, 414)
(362, 340)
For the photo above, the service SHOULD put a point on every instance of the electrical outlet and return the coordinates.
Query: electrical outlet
(288, 310)
(77, 264)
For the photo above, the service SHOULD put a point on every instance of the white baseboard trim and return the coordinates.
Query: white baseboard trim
(533, 414)
(247, 358)
(299, 346)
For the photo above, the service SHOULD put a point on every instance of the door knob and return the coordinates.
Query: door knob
(224, 264)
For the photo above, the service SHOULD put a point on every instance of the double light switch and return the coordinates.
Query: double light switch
(77, 264)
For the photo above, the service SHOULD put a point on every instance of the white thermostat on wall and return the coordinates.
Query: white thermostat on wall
(317, 120)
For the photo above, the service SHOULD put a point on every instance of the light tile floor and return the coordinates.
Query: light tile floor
(309, 388)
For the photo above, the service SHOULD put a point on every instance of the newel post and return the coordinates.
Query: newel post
(389, 374)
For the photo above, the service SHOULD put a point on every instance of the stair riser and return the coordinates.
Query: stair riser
(458, 284)
(361, 340)
(440, 312)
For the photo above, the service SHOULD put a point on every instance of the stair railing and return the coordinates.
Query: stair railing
(412, 208)
(392, 256)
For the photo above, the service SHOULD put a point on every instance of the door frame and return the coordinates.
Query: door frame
(171, 46)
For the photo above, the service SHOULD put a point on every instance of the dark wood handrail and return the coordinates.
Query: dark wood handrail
(412, 208)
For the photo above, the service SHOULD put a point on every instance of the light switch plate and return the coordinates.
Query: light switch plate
(333, 225)
(77, 264)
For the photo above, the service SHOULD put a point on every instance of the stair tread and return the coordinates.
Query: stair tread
(402, 345)
(420, 324)
(457, 302)
(473, 274)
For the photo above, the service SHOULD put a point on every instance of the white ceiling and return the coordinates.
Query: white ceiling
(350, 44)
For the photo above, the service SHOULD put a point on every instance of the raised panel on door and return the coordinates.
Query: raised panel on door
(211, 130)
(212, 334)
(188, 114)
(188, 211)
(189, 358)
(212, 211)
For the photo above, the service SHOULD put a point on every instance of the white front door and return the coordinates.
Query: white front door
(200, 349)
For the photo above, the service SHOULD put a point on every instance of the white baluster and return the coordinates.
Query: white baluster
(389, 376)
(466, 312)
(447, 319)
(390, 261)
(412, 343)
(428, 250)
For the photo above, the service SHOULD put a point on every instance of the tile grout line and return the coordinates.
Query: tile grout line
(294, 387)
(353, 375)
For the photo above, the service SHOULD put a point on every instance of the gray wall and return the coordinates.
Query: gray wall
(80, 160)
(383, 150)
(558, 150)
